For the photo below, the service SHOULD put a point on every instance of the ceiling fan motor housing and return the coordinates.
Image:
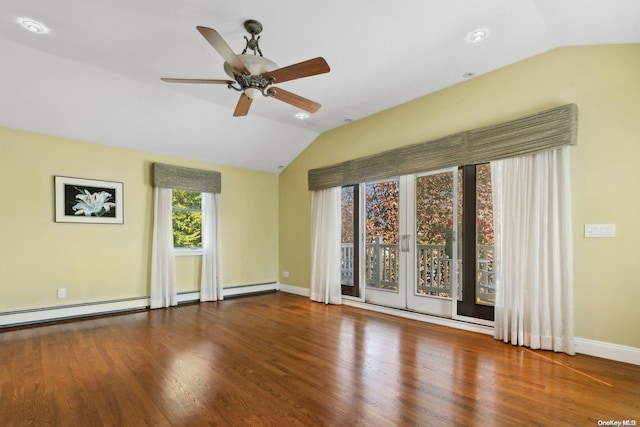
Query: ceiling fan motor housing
(255, 84)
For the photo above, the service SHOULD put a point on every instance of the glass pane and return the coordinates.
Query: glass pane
(187, 219)
(434, 234)
(347, 258)
(381, 251)
(485, 288)
(185, 199)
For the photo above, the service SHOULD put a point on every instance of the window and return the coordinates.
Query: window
(478, 288)
(349, 241)
(187, 219)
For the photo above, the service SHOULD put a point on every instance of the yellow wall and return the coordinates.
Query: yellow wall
(603, 81)
(188, 270)
(101, 262)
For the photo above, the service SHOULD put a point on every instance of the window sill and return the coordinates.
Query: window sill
(188, 252)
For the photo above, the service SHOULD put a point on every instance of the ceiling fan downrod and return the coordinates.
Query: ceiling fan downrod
(254, 28)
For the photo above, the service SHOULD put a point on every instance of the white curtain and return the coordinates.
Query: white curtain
(325, 246)
(163, 276)
(211, 279)
(533, 251)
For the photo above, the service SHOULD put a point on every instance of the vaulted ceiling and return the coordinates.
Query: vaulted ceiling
(95, 74)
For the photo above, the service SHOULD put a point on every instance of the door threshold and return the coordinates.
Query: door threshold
(414, 315)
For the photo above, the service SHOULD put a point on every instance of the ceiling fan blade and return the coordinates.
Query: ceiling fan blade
(242, 108)
(204, 81)
(223, 49)
(295, 100)
(299, 70)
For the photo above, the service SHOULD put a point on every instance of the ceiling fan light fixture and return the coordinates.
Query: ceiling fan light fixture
(33, 26)
(253, 93)
(255, 64)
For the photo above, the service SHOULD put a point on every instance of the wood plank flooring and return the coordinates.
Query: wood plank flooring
(281, 360)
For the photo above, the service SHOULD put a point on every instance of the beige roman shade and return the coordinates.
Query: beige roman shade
(537, 132)
(183, 178)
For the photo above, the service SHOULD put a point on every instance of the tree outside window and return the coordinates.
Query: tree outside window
(187, 219)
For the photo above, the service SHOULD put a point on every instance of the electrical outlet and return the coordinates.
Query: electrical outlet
(285, 274)
(62, 292)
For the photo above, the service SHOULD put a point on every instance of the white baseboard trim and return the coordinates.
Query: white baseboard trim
(617, 352)
(250, 289)
(26, 317)
(51, 314)
(191, 296)
(296, 290)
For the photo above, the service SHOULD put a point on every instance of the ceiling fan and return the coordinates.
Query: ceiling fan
(254, 75)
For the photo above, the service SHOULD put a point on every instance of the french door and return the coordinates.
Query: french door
(411, 259)
(422, 243)
(384, 257)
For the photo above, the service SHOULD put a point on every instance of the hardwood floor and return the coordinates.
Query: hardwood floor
(279, 359)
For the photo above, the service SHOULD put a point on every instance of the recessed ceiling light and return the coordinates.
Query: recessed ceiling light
(302, 116)
(348, 120)
(478, 35)
(468, 75)
(33, 26)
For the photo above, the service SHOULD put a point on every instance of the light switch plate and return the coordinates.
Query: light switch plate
(599, 230)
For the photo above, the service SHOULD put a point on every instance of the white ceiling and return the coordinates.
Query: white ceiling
(96, 75)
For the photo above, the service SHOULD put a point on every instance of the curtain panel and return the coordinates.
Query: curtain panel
(325, 246)
(163, 276)
(533, 251)
(211, 275)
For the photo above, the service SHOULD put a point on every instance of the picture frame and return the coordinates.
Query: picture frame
(91, 201)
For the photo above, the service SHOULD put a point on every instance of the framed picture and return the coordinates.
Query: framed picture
(88, 201)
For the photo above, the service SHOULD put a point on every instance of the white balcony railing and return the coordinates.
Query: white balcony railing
(434, 269)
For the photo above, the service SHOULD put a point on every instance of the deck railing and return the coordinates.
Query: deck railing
(434, 269)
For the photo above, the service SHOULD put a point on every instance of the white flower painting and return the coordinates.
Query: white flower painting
(88, 201)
